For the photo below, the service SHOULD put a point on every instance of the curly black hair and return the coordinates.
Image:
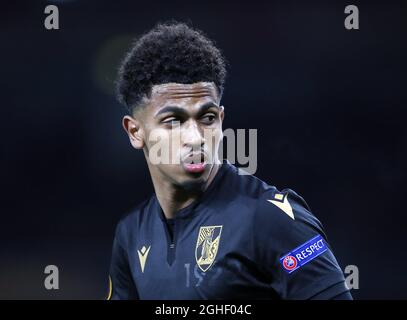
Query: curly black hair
(170, 52)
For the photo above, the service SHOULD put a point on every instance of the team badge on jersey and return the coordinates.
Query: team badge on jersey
(207, 246)
(303, 254)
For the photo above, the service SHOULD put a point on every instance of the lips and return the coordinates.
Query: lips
(194, 162)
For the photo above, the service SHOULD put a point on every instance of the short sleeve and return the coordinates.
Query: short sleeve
(292, 248)
(122, 286)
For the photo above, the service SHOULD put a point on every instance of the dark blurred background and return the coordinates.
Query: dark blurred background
(329, 105)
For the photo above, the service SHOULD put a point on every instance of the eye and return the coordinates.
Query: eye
(172, 121)
(208, 118)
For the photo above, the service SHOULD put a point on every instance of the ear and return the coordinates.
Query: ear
(134, 131)
(222, 113)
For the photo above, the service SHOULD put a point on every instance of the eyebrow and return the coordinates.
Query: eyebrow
(178, 110)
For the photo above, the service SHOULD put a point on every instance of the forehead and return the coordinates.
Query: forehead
(183, 94)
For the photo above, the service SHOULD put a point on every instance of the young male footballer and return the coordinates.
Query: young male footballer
(207, 232)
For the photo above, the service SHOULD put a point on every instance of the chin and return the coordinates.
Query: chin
(194, 181)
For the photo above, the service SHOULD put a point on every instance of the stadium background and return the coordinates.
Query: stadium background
(329, 105)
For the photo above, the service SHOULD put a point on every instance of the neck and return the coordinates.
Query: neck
(172, 197)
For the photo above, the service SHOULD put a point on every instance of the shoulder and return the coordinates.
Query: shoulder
(270, 203)
(243, 183)
(284, 210)
(130, 220)
(278, 215)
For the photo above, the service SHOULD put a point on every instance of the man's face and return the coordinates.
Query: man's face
(179, 128)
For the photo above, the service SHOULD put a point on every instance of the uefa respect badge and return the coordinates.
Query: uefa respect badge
(303, 254)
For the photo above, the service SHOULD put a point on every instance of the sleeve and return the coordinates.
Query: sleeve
(121, 284)
(292, 248)
(343, 296)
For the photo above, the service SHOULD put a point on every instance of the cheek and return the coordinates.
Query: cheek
(157, 141)
(156, 137)
(218, 135)
(213, 136)
(165, 146)
(175, 137)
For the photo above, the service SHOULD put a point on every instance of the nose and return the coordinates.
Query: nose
(192, 137)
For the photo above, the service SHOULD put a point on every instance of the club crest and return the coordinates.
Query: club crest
(207, 246)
